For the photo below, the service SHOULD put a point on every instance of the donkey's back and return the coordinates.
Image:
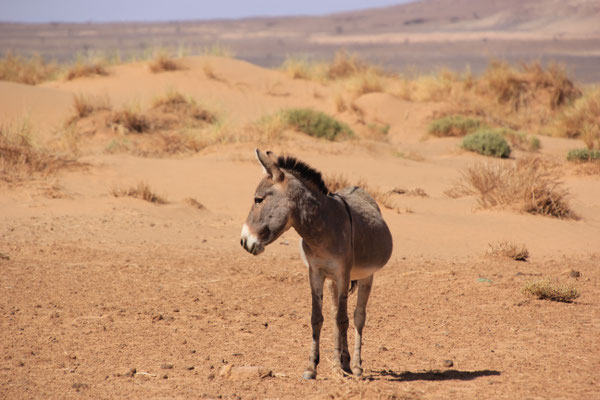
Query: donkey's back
(372, 240)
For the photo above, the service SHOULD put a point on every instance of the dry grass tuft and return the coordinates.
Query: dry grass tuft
(516, 88)
(454, 125)
(525, 185)
(508, 250)
(183, 107)
(131, 120)
(141, 191)
(30, 71)
(82, 70)
(345, 65)
(582, 120)
(336, 182)
(20, 161)
(194, 203)
(298, 68)
(84, 106)
(163, 62)
(551, 290)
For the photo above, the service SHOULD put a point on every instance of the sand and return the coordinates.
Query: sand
(95, 286)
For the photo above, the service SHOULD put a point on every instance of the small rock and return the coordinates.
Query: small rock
(383, 348)
(165, 376)
(574, 274)
(131, 373)
(225, 371)
(448, 363)
(211, 376)
(190, 367)
(166, 366)
(78, 386)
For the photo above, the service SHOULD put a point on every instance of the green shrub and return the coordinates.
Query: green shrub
(487, 143)
(583, 155)
(316, 123)
(455, 125)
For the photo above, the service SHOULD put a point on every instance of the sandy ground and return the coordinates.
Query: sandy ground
(105, 297)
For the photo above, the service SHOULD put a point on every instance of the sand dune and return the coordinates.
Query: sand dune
(94, 285)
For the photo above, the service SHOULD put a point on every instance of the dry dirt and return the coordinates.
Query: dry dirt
(105, 297)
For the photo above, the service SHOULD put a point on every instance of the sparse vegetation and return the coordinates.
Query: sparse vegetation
(487, 143)
(130, 119)
(81, 70)
(184, 108)
(581, 119)
(163, 62)
(316, 123)
(30, 71)
(583, 155)
(194, 203)
(508, 249)
(551, 290)
(525, 185)
(298, 68)
(20, 160)
(218, 50)
(455, 125)
(141, 191)
(345, 65)
(517, 88)
(336, 182)
(84, 106)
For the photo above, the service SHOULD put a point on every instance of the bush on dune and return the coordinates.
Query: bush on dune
(526, 185)
(316, 123)
(454, 125)
(487, 143)
(81, 70)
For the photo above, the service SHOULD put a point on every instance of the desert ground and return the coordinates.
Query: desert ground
(105, 295)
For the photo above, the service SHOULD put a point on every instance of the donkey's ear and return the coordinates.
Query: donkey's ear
(269, 167)
(272, 156)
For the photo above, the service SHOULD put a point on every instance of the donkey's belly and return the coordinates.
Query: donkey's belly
(357, 273)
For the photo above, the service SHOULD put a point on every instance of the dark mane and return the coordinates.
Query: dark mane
(302, 171)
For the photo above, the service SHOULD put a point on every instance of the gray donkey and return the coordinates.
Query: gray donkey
(344, 239)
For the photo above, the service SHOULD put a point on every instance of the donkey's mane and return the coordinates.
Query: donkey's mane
(302, 171)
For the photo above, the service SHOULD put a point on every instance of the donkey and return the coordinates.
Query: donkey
(344, 239)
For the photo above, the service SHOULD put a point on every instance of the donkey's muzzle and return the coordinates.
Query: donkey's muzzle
(250, 242)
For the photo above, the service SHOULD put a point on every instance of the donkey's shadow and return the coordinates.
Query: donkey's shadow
(447, 375)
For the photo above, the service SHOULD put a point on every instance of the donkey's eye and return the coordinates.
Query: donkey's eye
(258, 200)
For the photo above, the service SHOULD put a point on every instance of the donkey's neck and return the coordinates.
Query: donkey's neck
(321, 220)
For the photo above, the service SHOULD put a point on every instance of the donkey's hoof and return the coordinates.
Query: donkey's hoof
(357, 371)
(308, 375)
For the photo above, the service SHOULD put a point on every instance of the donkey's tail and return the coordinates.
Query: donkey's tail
(352, 286)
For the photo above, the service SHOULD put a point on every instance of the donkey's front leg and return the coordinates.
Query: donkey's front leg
(360, 315)
(339, 307)
(316, 288)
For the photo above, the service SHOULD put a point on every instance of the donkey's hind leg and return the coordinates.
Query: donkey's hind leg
(317, 280)
(360, 315)
(339, 308)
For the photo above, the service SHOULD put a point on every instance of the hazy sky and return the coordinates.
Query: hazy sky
(161, 10)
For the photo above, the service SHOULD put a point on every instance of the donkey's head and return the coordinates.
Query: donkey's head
(272, 208)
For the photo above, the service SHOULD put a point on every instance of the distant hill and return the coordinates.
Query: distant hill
(425, 35)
